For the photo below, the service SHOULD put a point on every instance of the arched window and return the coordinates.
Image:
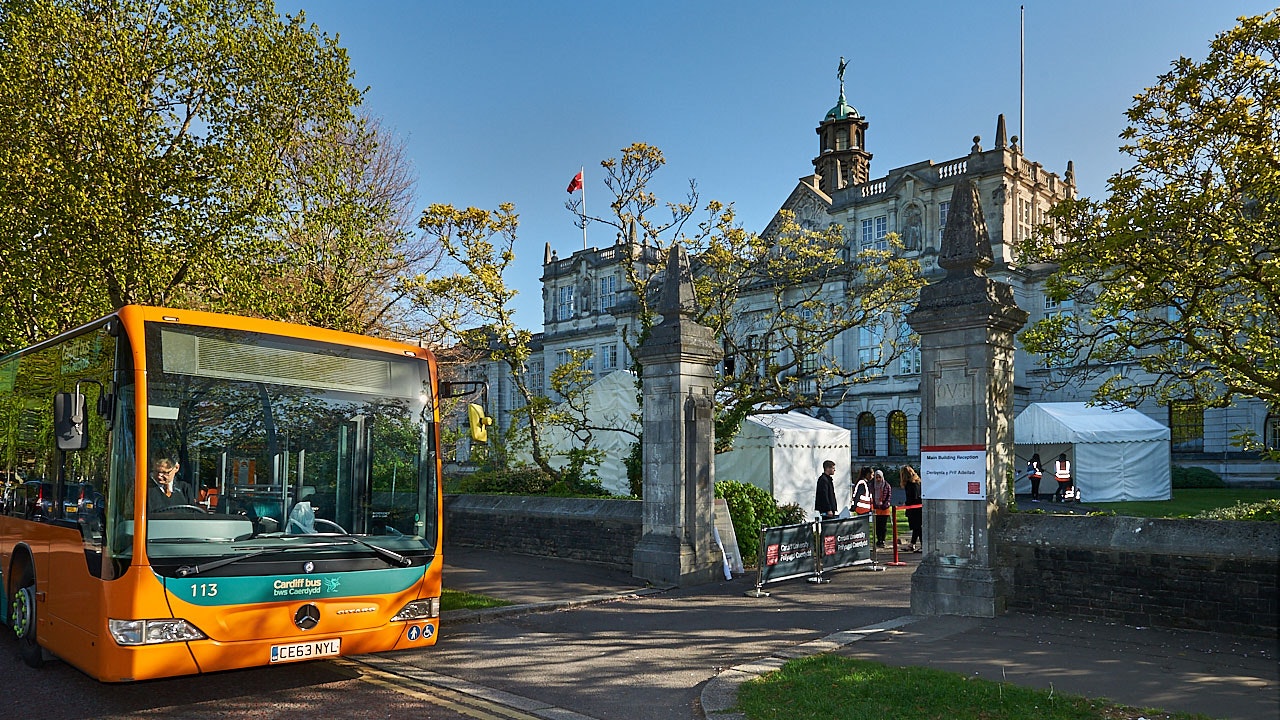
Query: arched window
(866, 434)
(897, 433)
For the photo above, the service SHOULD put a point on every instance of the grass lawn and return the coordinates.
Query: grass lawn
(831, 687)
(1188, 502)
(458, 600)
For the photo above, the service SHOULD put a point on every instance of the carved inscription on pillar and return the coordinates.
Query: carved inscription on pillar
(954, 402)
(953, 383)
(954, 390)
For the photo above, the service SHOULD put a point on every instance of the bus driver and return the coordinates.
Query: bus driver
(164, 491)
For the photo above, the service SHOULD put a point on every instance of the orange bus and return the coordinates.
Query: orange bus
(187, 492)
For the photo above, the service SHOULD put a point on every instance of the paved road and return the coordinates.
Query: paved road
(647, 656)
(313, 690)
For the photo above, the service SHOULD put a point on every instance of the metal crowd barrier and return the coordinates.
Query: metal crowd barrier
(810, 549)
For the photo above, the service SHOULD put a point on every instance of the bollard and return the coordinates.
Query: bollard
(895, 562)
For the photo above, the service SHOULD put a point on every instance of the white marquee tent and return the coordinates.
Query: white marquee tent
(1115, 454)
(782, 453)
(611, 403)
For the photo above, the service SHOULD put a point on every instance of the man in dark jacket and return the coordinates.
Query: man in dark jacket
(825, 502)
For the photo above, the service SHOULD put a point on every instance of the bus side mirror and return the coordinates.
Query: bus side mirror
(478, 422)
(69, 426)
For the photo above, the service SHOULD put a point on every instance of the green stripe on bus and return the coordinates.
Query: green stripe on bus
(243, 590)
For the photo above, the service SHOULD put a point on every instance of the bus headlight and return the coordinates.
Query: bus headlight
(150, 632)
(419, 610)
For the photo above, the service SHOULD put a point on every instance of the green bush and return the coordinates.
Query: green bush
(1265, 511)
(792, 514)
(579, 476)
(634, 463)
(579, 479)
(524, 480)
(1196, 477)
(750, 509)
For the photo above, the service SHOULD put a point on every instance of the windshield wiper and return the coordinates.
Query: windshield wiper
(391, 556)
(186, 570)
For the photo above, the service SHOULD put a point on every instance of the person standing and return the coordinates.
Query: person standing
(910, 482)
(825, 501)
(861, 498)
(1062, 473)
(1035, 472)
(882, 506)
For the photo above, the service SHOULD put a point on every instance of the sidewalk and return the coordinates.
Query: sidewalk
(1217, 675)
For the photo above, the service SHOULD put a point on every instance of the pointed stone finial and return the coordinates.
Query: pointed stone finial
(546, 254)
(966, 246)
(631, 232)
(1071, 173)
(1002, 140)
(677, 287)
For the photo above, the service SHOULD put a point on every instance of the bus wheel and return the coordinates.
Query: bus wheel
(23, 614)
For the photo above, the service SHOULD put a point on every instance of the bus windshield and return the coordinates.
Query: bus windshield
(259, 444)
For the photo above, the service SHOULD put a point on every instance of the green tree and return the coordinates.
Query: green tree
(1177, 270)
(143, 146)
(480, 315)
(777, 304)
(343, 253)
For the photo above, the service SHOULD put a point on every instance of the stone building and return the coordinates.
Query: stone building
(589, 306)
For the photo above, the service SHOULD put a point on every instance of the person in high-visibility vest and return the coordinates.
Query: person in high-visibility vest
(1035, 472)
(861, 500)
(1062, 473)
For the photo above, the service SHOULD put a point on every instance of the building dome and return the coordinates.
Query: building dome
(842, 110)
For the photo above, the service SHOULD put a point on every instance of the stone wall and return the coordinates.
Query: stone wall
(1190, 574)
(590, 530)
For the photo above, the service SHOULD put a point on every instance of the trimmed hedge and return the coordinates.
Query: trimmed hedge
(1196, 477)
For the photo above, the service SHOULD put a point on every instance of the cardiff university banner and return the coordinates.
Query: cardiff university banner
(785, 552)
(844, 542)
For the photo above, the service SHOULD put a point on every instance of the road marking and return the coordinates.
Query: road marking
(422, 689)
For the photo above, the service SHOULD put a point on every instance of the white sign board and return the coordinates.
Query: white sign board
(953, 472)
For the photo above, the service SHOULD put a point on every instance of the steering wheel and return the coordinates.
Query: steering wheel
(192, 508)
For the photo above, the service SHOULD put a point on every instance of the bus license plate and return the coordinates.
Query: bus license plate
(306, 650)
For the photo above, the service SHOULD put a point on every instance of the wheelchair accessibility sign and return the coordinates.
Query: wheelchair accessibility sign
(420, 632)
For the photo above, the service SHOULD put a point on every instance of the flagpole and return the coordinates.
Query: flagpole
(1022, 74)
(582, 170)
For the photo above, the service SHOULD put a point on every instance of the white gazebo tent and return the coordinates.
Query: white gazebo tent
(782, 453)
(1115, 454)
(611, 403)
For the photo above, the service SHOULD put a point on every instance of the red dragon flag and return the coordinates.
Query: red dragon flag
(576, 182)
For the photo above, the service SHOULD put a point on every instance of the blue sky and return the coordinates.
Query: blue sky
(504, 101)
